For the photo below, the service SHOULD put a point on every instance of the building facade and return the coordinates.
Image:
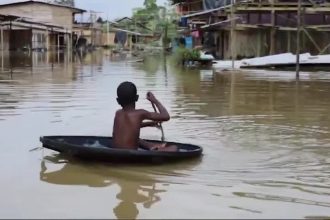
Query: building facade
(242, 29)
(34, 25)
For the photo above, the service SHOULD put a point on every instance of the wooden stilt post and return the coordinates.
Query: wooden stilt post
(58, 41)
(2, 48)
(2, 41)
(272, 30)
(108, 32)
(298, 39)
(47, 40)
(71, 45)
(232, 35)
(259, 42)
(289, 42)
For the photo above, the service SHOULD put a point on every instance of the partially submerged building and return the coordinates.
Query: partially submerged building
(128, 33)
(36, 25)
(88, 34)
(240, 28)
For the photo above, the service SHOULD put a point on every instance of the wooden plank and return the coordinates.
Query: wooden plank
(276, 8)
(311, 39)
(277, 4)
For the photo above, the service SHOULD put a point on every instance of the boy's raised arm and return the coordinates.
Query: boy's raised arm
(149, 124)
(162, 115)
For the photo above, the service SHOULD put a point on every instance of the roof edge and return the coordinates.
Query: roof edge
(78, 10)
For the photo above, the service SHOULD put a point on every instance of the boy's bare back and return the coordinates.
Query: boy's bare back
(126, 129)
(128, 120)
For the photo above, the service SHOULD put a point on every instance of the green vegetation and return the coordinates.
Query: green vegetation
(159, 19)
(148, 15)
(183, 54)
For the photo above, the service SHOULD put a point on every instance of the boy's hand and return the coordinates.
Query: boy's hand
(158, 125)
(159, 146)
(155, 124)
(151, 97)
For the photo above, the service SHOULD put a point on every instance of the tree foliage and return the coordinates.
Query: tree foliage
(150, 4)
(99, 20)
(151, 19)
(148, 15)
(159, 19)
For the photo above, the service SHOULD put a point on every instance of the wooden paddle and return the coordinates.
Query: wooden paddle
(160, 124)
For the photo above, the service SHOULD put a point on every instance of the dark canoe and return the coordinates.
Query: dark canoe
(101, 149)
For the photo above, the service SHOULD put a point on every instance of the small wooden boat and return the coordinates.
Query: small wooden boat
(102, 149)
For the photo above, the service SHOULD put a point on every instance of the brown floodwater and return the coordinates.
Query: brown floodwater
(266, 140)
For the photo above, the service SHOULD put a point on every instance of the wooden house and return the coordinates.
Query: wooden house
(89, 32)
(136, 33)
(38, 25)
(254, 28)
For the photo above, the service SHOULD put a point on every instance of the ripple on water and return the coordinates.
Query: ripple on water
(268, 197)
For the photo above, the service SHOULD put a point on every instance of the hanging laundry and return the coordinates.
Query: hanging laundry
(195, 34)
(183, 22)
(120, 37)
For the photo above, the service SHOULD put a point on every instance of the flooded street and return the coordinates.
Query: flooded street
(266, 140)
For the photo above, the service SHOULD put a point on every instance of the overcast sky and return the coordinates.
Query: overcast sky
(114, 8)
(111, 8)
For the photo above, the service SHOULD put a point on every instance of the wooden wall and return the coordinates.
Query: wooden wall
(259, 43)
(41, 13)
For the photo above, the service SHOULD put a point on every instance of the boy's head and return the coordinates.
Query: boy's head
(126, 94)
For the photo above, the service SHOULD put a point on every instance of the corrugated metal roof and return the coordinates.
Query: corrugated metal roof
(206, 11)
(130, 32)
(77, 10)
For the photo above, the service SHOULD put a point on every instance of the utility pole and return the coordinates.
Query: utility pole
(298, 39)
(165, 29)
(108, 32)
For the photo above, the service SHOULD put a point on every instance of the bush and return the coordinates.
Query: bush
(187, 54)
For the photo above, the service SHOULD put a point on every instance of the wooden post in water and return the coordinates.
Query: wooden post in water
(58, 41)
(2, 48)
(47, 39)
(289, 41)
(272, 49)
(108, 32)
(2, 41)
(259, 42)
(298, 39)
(232, 35)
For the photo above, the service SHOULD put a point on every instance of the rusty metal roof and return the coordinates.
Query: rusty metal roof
(75, 10)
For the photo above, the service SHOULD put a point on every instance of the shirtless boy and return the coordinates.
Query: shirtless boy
(128, 120)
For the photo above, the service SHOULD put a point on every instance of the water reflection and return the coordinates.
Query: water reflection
(133, 193)
(45, 79)
(261, 132)
(203, 93)
(137, 185)
(35, 61)
(133, 190)
(151, 64)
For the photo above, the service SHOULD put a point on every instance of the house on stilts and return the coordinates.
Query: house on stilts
(253, 28)
(36, 25)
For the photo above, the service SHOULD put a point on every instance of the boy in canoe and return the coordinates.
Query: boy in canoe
(128, 120)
